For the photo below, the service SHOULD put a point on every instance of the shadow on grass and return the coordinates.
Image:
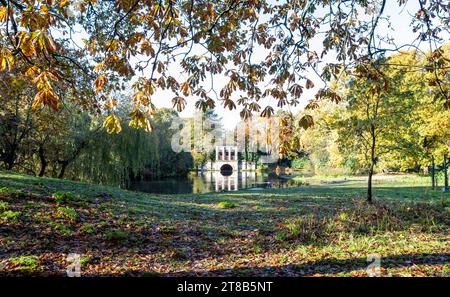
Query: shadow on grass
(325, 266)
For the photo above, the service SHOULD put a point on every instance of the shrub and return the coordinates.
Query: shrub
(307, 228)
(4, 205)
(64, 197)
(67, 213)
(167, 229)
(61, 228)
(226, 204)
(7, 190)
(363, 218)
(85, 260)
(303, 164)
(10, 216)
(25, 262)
(14, 193)
(116, 235)
(299, 163)
(343, 216)
(88, 228)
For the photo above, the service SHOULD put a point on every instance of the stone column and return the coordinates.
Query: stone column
(223, 153)
(236, 153)
(229, 153)
(217, 152)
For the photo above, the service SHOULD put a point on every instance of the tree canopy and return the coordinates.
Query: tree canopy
(85, 52)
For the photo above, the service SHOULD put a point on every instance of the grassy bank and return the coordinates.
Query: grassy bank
(322, 228)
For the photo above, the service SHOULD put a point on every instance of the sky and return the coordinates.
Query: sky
(401, 32)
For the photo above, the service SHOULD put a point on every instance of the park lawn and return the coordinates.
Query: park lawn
(319, 229)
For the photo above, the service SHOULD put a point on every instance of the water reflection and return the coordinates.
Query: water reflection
(213, 181)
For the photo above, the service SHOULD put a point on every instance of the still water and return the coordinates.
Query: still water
(206, 182)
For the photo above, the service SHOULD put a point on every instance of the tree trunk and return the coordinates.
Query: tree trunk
(43, 161)
(445, 173)
(433, 178)
(63, 168)
(10, 156)
(9, 161)
(66, 162)
(372, 163)
(369, 184)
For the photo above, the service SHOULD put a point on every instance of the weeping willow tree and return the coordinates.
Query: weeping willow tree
(132, 154)
(115, 159)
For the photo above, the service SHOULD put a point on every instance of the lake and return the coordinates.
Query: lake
(205, 182)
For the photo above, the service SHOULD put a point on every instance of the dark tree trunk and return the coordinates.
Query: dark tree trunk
(433, 177)
(43, 161)
(10, 155)
(445, 172)
(10, 160)
(369, 184)
(9, 165)
(66, 162)
(62, 171)
(372, 164)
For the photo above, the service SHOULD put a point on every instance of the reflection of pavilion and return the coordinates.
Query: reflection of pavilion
(227, 160)
(226, 183)
(232, 182)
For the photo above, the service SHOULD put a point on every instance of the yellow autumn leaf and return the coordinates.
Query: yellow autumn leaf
(46, 97)
(26, 44)
(3, 14)
(139, 120)
(100, 82)
(185, 88)
(140, 98)
(32, 72)
(112, 124)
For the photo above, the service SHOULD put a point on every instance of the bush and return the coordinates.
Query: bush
(61, 228)
(7, 190)
(226, 204)
(14, 193)
(4, 205)
(64, 197)
(116, 235)
(167, 229)
(88, 228)
(67, 213)
(10, 216)
(84, 261)
(299, 163)
(308, 228)
(25, 262)
(369, 219)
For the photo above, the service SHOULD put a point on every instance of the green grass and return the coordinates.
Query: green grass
(88, 228)
(10, 216)
(3, 205)
(226, 204)
(24, 262)
(321, 228)
(66, 213)
(116, 235)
